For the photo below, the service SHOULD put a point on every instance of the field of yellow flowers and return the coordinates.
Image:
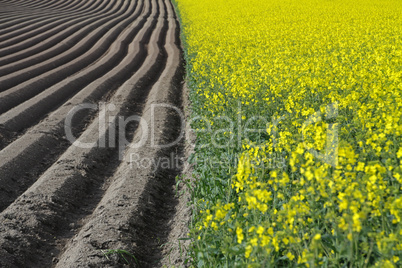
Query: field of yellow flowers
(297, 107)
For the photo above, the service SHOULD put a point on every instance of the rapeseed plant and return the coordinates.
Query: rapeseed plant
(305, 74)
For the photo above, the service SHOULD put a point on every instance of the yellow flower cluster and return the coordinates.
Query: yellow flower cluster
(324, 80)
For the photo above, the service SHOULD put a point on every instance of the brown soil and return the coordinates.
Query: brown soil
(62, 205)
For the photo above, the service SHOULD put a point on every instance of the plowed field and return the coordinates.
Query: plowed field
(89, 70)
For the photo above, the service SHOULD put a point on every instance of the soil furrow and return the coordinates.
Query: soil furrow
(20, 3)
(94, 8)
(29, 112)
(10, 23)
(61, 204)
(92, 43)
(57, 44)
(33, 142)
(44, 4)
(22, 18)
(61, 5)
(56, 34)
(22, 33)
(57, 5)
(95, 49)
(135, 211)
(72, 180)
(76, 6)
(26, 17)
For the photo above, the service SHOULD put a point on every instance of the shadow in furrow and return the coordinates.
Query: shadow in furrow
(55, 77)
(150, 226)
(27, 172)
(59, 22)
